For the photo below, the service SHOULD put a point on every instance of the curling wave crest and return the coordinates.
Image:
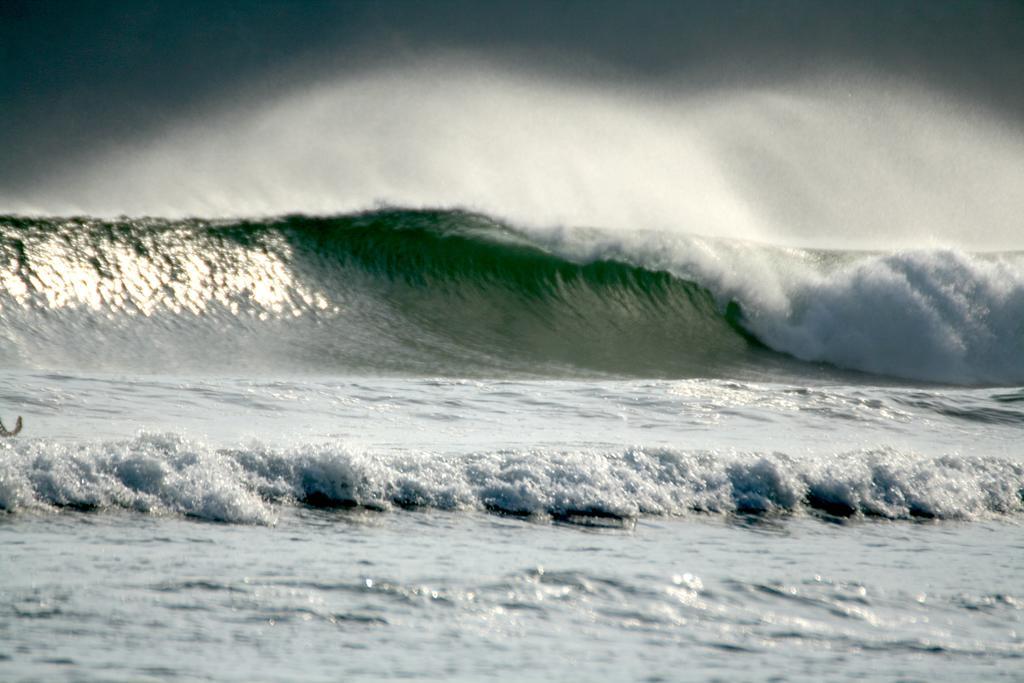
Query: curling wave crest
(166, 474)
(453, 293)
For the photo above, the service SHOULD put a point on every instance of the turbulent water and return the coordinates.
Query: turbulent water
(491, 451)
(459, 294)
(460, 366)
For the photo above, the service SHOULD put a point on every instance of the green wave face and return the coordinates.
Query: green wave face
(480, 286)
(393, 291)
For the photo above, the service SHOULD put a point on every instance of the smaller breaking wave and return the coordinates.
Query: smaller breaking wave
(166, 474)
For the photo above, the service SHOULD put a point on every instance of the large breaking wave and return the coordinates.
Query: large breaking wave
(432, 292)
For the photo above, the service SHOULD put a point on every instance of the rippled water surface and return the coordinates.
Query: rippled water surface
(309, 528)
(468, 597)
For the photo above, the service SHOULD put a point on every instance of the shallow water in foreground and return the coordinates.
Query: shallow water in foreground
(441, 596)
(309, 529)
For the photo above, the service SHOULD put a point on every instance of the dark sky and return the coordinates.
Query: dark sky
(78, 74)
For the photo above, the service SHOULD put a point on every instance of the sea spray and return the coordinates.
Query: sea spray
(849, 161)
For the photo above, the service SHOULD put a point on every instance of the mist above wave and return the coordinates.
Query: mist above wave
(841, 161)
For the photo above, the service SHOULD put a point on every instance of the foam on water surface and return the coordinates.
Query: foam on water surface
(754, 347)
(166, 474)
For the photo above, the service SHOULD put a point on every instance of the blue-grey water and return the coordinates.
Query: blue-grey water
(511, 341)
(429, 444)
(311, 528)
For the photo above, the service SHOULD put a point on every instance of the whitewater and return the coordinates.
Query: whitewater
(518, 378)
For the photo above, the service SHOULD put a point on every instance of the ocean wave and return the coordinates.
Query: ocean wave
(452, 293)
(166, 474)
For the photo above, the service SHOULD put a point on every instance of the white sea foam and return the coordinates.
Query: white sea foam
(156, 474)
(939, 315)
(166, 474)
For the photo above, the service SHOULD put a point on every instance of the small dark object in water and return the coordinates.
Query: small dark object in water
(17, 428)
